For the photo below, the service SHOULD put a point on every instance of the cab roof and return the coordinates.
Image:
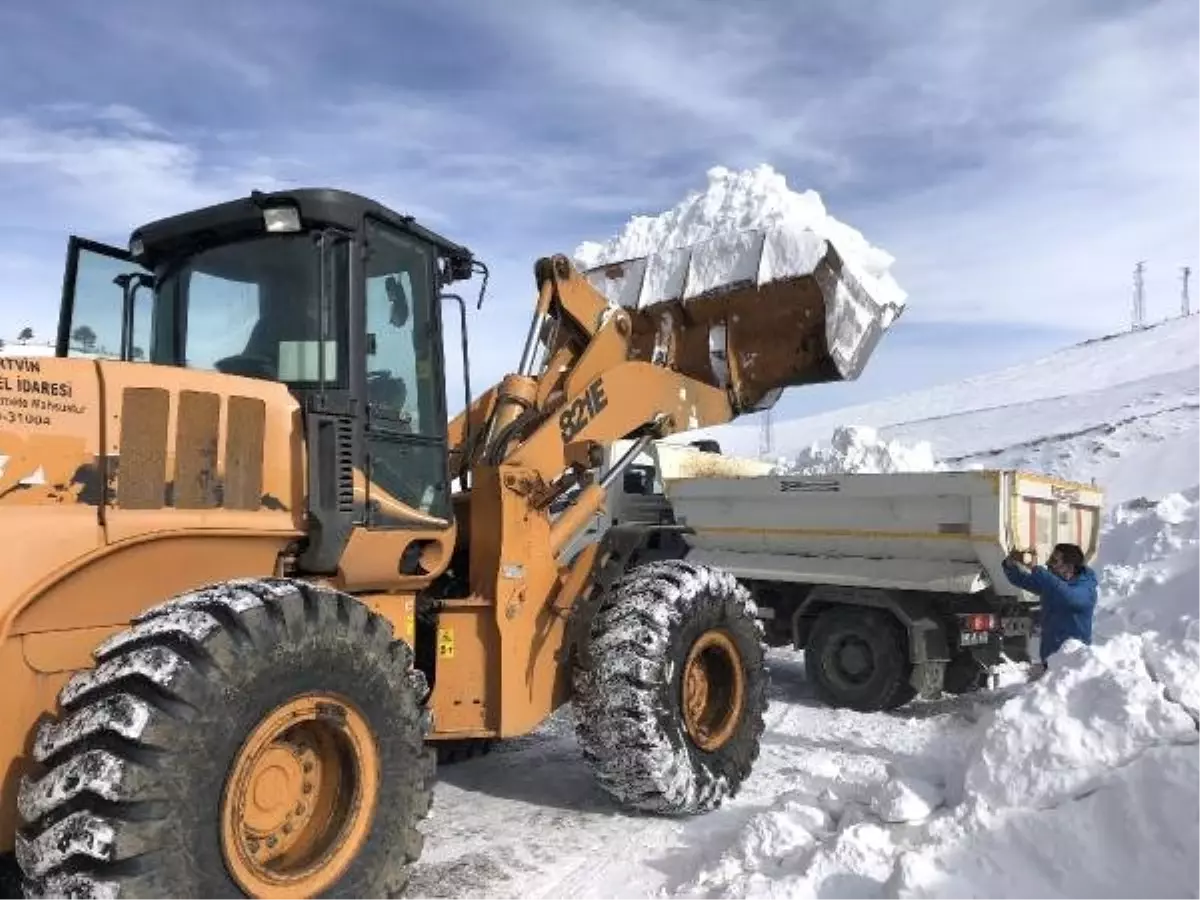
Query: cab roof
(185, 232)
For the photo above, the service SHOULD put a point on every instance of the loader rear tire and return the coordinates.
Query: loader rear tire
(251, 737)
(857, 658)
(670, 694)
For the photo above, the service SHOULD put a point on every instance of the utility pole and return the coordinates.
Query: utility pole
(1185, 304)
(766, 436)
(1139, 296)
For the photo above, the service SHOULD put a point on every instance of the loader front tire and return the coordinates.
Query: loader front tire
(255, 737)
(670, 694)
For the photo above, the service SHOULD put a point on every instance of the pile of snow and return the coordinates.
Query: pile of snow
(1083, 783)
(1095, 711)
(1148, 565)
(746, 226)
(859, 449)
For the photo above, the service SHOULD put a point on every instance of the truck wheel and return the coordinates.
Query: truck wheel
(252, 738)
(857, 658)
(670, 695)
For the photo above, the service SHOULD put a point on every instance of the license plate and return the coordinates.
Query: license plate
(972, 638)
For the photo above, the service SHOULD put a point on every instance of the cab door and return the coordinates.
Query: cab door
(407, 469)
(106, 308)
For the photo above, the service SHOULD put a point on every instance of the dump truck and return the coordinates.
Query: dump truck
(255, 575)
(890, 583)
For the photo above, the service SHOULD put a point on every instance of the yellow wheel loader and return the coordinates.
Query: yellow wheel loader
(254, 577)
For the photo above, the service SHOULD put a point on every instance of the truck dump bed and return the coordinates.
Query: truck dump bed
(943, 531)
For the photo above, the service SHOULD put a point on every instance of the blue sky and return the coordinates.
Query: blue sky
(1016, 158)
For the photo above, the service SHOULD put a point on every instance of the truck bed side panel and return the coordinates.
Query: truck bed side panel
(943, 531)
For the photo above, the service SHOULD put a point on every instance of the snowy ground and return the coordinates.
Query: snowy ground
(527, 820)
(1083, 784)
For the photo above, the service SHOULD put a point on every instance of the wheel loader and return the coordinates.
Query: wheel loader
(254, 576)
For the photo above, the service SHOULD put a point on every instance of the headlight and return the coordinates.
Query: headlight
(281, 219)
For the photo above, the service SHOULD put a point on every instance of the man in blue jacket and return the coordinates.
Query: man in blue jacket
(1067, 589)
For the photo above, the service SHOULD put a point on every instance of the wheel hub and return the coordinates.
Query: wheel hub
(299, 799)
(714, 688)
(853, 660)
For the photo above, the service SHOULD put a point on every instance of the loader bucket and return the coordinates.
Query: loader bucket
(751, 312)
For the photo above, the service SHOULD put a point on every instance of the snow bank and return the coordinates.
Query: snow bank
(859, 449)
(1149, 565)
(746, 226)
(1134, 836)
(1096, 710)
(1084, 782)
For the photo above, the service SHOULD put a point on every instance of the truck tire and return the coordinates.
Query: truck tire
(251, 737)
(857, 658)
(670, 694)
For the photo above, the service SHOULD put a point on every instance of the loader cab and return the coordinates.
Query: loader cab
(328, 293)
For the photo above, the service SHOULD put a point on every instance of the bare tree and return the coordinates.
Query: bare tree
(84, 337)
(26, 335)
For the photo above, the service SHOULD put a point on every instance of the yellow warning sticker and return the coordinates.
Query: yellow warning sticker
(410, 626)
(445, 645)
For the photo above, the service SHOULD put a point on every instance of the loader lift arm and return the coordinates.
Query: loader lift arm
(579, 385)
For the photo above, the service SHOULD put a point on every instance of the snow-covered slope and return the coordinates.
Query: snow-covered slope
(1122, 410)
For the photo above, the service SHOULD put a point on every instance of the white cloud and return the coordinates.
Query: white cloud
(1017, 159)
(1049, 228)
(109, 179)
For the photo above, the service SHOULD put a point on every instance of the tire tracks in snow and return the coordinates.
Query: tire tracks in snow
(529, 820)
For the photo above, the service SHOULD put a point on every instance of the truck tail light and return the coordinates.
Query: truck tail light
(979, 622)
